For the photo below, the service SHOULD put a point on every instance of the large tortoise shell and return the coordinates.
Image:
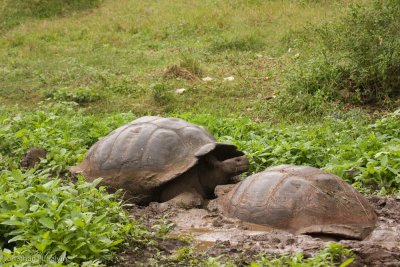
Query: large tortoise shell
(302, 200)
(147, 153)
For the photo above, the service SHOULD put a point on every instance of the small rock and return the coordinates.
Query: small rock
(163, 207)
(207, 79)
(290, 241)
(230, 78)
(180, 91)
(216, 223)
(32, 157)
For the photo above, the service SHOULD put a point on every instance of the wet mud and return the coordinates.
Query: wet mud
(211, 234)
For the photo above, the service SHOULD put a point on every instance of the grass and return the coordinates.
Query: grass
(122, 48)
(353, 58)
(16, 12)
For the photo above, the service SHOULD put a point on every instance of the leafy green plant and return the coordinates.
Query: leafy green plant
(365, 155)
(332, 255)
(215, 262)
(372, 160)
(43, 218)
(80, 95)
(60, 129)
(355, 58)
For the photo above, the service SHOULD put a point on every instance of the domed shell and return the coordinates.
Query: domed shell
(301, 200)
(148, 152)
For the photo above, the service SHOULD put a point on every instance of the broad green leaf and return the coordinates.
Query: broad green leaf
(347, 262)
(96, 182)
(41, 247)
(47, 222)
(21, 203)
(79, 223)
(17, 238)
(13, 222)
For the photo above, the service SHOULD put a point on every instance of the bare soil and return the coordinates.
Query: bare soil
(210, 234)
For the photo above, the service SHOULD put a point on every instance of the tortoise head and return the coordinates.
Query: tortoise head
(230, 167)
(219, 164)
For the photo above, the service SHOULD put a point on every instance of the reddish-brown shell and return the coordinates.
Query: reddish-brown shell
(301, 200)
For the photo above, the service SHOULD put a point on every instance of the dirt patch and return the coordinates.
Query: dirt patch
(209, 234)
(175, 71)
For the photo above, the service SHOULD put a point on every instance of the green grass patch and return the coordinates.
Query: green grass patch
(241, 43)
(122, 48)
(353, 58)
(15, 12)
(78, 95)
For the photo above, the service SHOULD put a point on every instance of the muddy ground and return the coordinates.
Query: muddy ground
(210, 234)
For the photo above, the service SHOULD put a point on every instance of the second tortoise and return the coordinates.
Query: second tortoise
(301, 200)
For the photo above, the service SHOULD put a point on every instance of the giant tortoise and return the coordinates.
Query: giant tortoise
(301, 200)
(162, 159)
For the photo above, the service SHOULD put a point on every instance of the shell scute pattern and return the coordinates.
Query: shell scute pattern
(147, 142)
(147, 153)
(301, 199)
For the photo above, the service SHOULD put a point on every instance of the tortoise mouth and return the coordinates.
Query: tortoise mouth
(242, 168)
(242, 164)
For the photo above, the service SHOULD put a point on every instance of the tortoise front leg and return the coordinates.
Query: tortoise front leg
(184, 191)
(187, 200)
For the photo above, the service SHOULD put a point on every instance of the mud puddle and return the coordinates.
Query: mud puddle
(213, 235)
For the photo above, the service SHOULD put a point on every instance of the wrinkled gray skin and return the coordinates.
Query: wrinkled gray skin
(191, 188)
(162, 159)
